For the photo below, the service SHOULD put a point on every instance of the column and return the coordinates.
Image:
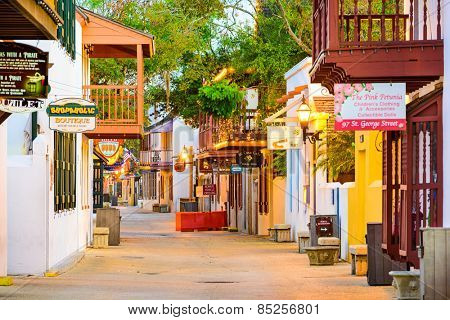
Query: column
(140, 84)
(4, 280)
(446, 114)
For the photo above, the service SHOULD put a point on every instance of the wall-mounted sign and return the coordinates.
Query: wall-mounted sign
(72, 115)
(209, 190)
(249, 159)
(284, 138)
(20, 105)
(370, 106)
(324, 227)
(23, 71)
(235, 169)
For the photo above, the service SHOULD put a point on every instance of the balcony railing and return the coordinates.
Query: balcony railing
(117, 105)
(156, 158)
(340, 24)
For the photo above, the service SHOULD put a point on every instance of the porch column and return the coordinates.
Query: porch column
(140, 84)
(4, 280)
(446, 117)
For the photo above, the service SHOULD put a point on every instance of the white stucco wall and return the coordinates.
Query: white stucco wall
(3, 203)
(446, 112)
(40, 239)
(183, 135)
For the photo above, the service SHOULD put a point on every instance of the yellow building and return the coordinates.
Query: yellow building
(365, 199)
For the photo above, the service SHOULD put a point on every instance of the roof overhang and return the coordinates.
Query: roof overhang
(110, 39)
(28, 20)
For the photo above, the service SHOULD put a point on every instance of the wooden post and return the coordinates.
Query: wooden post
(140, 85)
(333, 25)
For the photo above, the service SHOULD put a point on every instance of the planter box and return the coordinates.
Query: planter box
(406, 284)
(321, 256)
(101, 238)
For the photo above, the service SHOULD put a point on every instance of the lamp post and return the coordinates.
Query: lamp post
(186, 155)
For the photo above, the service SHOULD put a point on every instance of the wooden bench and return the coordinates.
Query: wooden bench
(280, 233)
(359, 259)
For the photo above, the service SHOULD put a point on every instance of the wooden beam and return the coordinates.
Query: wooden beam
(140, 84)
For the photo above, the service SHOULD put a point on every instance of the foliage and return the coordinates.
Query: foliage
(220, 99)
(279, 163)
(336, 154)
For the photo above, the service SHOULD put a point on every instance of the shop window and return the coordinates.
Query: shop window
(65, 171)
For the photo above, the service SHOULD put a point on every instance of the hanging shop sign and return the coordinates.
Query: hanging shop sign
(284, 138)
(108, 147)
(72, 115)
(370, 106)
(209, 190)
(236, 169)
(179, 166)
(249, 159)
(23, 71)
(21, 105)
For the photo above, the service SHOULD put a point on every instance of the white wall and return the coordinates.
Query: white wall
(183, 135)
(3, 203)
(446, 112)
(40, 239)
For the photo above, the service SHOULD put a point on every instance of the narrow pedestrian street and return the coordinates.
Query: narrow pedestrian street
(155, 262)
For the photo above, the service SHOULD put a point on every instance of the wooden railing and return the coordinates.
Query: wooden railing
(339, 24)
(116, 104)
(159, 158)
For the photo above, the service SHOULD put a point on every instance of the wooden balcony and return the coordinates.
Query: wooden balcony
(156, 159)
(121, 107)
(119, 115)
(373, 41)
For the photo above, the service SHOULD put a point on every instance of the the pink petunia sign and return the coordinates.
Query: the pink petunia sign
(370, 106)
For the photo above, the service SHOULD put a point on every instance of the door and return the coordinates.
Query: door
(98, 184)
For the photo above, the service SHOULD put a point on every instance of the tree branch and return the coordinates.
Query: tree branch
(291, 32)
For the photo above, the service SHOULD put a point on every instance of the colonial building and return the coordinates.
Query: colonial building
(354, 42)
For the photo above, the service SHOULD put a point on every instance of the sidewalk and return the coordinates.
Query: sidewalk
(155, 262)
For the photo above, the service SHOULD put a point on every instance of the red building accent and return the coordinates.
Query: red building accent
(368, 46)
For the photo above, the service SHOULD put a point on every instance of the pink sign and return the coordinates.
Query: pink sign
(370, 106)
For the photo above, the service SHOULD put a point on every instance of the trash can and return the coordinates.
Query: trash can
(114, 202)
(379, 264)
(109, 218)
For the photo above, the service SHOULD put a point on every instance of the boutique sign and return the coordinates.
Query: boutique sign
(72, 115)
(370, 106)
(23, 71)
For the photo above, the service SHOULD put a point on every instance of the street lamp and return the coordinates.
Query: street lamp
(304, 115)
(184, 154)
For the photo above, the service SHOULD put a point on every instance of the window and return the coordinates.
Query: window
(65, 171)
